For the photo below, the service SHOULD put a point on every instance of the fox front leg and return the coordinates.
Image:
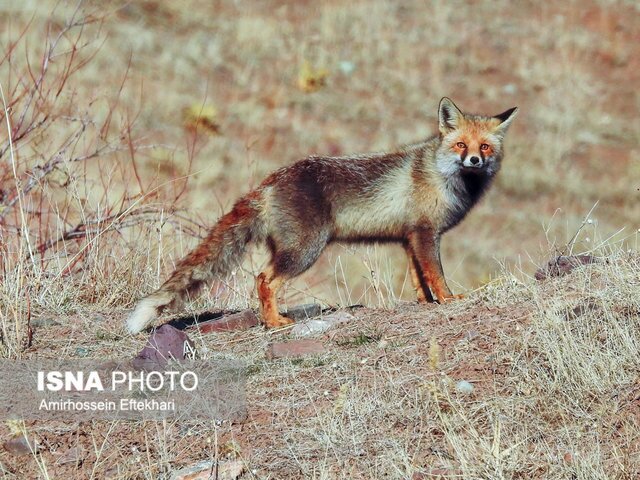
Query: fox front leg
(425, 245)
(423, 293)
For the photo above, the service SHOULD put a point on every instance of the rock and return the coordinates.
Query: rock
(304, 312)
(338, 317)
(295, 349)
(310, 327)
(319, 325)
(164, 344)
(206, 470)
(73, 455)
(589, 307)
(82, 351)
(44, 322)
(563, 265)
(510, 89)
(471, 335)
(236, 321)
(589, 137)
(19, 445)
(464, 387)
(346, 67)
(112, 474)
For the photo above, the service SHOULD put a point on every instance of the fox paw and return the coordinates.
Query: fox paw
(277, 322)
(450, 298)
(421, 299)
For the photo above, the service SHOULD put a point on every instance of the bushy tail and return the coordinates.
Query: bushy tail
(216, 255)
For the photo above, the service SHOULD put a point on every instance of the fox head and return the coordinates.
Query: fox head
(470, 144)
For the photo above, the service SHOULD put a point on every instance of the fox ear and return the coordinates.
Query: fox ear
(449, 116)
(506, 118)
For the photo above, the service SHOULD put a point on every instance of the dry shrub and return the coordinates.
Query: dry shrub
(73, 206)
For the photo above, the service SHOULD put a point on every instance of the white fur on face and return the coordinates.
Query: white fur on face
(448, 163)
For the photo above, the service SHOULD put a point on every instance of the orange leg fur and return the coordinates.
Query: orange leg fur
(426, 247)
(268, 286)
(422, 290)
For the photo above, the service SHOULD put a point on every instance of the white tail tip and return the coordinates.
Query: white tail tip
(145, 312)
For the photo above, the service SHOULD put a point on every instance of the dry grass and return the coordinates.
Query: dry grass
(135, 126)
(554, 367)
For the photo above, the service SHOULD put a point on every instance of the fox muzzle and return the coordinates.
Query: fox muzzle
(473, 162)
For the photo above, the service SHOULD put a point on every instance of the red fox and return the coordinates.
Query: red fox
(411, 197)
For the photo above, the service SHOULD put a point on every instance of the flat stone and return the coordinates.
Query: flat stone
(310, 327)
(236, 321)
(304, 312)
(589, 307)
(562, 265)
(464, 387)
(44, 322)
(338, 317)
(319, 325)
(295, 349)
(20, 446)
(471, 335)
(206, 470)
(166, 343)
(73, 455)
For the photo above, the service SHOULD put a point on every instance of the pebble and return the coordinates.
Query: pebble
(464, 387)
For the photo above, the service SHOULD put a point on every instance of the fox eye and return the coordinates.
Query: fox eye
(461, 145)
(484, 147)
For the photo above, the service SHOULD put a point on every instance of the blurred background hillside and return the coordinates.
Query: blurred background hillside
(155, 116)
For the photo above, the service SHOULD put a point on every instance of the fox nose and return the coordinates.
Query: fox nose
(474, 160)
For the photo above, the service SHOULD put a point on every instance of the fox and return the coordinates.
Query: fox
(410, 197)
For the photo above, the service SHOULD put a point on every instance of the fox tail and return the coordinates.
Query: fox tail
(216, 255)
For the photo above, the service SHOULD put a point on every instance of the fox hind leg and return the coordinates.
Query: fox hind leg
(268, 286)
(286, 263)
